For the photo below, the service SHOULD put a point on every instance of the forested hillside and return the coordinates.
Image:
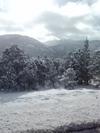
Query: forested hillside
(19, 72)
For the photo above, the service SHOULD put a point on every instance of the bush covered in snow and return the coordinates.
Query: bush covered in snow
(69, 78)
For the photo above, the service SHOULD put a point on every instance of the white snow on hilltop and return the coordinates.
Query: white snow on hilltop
(47, 109)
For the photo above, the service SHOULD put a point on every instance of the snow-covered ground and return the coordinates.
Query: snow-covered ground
(47, 109)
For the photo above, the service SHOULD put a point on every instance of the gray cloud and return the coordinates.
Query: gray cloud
(93, 21)
(60, 26)
(64, 27)
(63, 2)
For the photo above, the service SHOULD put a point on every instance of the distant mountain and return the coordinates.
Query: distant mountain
(34, 48)
(30, 45)
(62, 47)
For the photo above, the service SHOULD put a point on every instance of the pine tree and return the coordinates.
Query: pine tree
(81, 64)
(86, 59)
(96, 63)
(12, 63)
(27, 78)
(41, 71)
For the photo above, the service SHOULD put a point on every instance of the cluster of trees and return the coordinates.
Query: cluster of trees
(18, 72)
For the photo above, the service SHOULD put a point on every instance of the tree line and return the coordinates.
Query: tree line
(18, 72)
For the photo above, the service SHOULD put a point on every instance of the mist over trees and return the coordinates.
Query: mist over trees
(18, 72)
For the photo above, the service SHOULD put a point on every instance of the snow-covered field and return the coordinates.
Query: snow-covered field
(47, 109)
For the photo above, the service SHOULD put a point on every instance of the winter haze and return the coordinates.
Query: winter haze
(49, 66)
(48, 20)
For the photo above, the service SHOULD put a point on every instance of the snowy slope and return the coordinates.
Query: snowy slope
(47, 109)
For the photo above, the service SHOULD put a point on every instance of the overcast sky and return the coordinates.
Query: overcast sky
(51, 19)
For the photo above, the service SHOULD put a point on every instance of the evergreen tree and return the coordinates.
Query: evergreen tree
(27, 78)
(52, 71)
(81, 64)
(12, 63)
(95, 65)
(41, 71)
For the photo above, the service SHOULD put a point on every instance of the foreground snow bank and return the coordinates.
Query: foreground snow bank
(48, 109)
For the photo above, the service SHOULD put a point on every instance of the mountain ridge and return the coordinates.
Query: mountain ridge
(29, 45)
(35, 48)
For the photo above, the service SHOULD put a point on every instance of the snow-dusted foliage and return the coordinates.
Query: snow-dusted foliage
(95, 68)
(13, 61)
(69, 78)
(18, 72)
(27, 78)
(81, 63)
(96, 63)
